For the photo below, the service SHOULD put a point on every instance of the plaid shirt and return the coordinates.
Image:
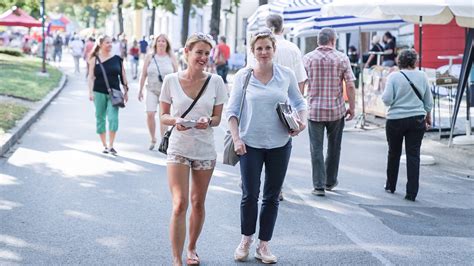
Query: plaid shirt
(326, 68)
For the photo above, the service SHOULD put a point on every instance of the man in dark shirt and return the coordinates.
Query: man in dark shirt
(390, 45)
(376, 47)
(143, 45)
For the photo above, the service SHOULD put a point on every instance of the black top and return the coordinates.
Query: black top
(376, 48)
(390, 45)
(113, 70)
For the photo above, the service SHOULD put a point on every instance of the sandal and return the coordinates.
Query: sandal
(152, 145)
(194, 260)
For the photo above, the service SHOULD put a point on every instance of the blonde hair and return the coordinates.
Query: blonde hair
(264, 33)
(98, 42)
(169, 50)
(199, 37)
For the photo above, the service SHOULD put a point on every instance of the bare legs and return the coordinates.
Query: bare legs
(178, 178)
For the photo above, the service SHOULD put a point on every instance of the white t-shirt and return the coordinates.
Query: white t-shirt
(116, 49)
(77, 47)
(286, 54)
(195, 144)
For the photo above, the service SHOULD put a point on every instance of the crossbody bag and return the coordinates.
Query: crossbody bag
(163, 148)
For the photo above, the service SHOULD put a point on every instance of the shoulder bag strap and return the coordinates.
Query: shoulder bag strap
(156, 64)
(195, 100)
(103, 73)
(413, 87)
(244, 92)
(198, 96)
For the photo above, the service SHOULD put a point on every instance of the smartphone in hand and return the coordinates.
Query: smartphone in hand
(188, 123)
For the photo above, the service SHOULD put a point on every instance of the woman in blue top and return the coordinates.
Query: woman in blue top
(260, 139)
(408, 115)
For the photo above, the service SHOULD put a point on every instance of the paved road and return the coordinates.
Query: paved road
(63, 202)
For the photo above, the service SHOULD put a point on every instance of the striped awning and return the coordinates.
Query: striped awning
(313, 25)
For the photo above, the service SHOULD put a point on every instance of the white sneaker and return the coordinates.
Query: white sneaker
(264, 254)
(241, 253)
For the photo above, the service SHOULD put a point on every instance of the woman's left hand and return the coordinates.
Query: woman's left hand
(202, 123)
(301, 128)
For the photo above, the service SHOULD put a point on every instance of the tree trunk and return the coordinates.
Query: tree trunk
(185, 21)
(120, 15)
(262, 2)
(152, 23)
(215, 18)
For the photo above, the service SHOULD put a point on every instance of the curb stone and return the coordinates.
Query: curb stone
(10, 138)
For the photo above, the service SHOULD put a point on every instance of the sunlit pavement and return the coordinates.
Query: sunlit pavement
(64, 202)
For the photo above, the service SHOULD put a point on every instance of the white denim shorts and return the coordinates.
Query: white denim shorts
(152, 101)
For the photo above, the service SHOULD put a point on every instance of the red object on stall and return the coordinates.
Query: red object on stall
(17, 17)
(439, 40)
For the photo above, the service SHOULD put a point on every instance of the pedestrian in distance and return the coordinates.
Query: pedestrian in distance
(221, 56)
(376, 47)
(287, 54)
(77, 50)
(143, 46)
(58, 49)
(389, 50)
(260, 138)
(408, 97)
(89, 46)
(159, 63)
(134, 58)
(191, 145)
(327, 70)
(98, 93)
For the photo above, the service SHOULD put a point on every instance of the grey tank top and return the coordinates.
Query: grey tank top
(166, 67)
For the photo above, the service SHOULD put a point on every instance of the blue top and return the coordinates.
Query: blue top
(259, 125)
(400, 98)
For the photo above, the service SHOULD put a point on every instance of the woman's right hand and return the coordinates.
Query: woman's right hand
(239, 147)
(140, 96)
(91, 96)
(179, 126)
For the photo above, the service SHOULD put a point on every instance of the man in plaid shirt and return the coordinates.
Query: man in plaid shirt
(327, 69)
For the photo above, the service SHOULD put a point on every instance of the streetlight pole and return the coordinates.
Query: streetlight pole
(42, 9)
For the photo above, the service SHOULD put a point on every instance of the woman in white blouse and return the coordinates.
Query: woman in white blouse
(261, 139)
(159, 63)
(191, 149)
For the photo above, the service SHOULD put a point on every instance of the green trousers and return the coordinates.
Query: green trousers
(103, 110)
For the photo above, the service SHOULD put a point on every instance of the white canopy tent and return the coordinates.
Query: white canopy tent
(422, 11)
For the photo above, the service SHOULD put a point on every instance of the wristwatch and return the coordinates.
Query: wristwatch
(210, 121)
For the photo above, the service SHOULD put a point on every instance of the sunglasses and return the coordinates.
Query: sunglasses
(263, 32)
(204, 37)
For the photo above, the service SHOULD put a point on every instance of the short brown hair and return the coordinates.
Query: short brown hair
(407, 58)
(275, 23)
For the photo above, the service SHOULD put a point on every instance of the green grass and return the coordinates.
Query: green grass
(18, 76)
(9, 114)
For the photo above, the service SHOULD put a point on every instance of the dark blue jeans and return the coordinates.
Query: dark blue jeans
(276, 163)
(325, 171)
(222, 71)
(412, 130)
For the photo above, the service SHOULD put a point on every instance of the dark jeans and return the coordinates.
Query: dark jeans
(222, 71)
(412, 129)
(276, 163)
(325, 172)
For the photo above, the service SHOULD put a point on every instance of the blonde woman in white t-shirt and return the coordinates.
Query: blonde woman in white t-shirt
(191, 149)
(160, 62)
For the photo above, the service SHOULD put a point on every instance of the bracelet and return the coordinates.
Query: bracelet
(210, 121)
